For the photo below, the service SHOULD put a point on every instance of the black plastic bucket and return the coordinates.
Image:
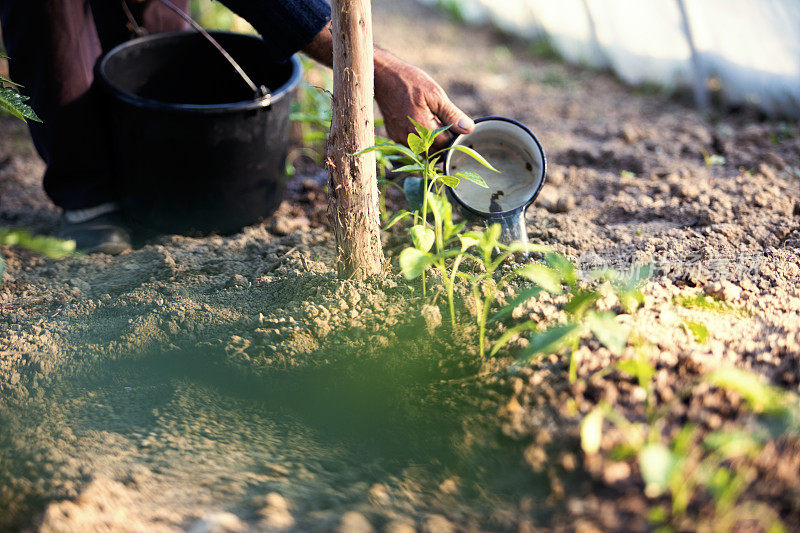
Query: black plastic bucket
(194, 149)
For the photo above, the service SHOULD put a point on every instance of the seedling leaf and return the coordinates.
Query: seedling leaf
(409, 168)
(414, 262)
(592, 431)
(657, 463)
(423, 237)
(400, 215)
(551, 340)
(474, 177)
(608, 331)
(543, 276)
(416, 143)
(474, 155)
(529, 325)
(450, 181)
(697, 330)
(527, 294)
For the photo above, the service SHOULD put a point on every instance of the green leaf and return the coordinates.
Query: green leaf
(435, 133)
(6, 80)
(416, 143)
(487, 241)
(563, 266)
(552, 340)
(527, 294)
(414, 191)
(657, 464)
(581, 301)
(388, 148)
(543, 276)
(50, 247)
(608, 330)
(397, 217)
(529, 325)
(592, 431)
(414, 262)
(423, 237)
(697, 330)
(421, 130)
(641, 369)
(450, 181)
(468, 240)
(761, 398)
(410, 168)
(474, 177)
(474, 155)
(14, 103)
(730, 444)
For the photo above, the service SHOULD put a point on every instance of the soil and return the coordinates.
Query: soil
(232, 383)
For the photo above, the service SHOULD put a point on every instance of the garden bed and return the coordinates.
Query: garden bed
(233, 380)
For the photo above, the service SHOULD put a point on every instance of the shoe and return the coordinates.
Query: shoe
(107, 233)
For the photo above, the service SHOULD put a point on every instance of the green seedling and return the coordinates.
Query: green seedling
(583, 316)
(706, 303)
(697, 330)
(425, 191)
(49, 247)
(712, 159)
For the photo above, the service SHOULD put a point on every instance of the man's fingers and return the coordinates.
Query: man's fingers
(448, 113)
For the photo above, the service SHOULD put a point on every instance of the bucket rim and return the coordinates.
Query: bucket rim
(263, 102)
(514, 211)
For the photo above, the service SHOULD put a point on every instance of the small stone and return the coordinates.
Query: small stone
(378, 494)
(616, 472)
(274, 512)
(436, 523)
(723, 290)
(396, 526)
(565, 204)
(354, 522)
(218, 523)
(432, 316)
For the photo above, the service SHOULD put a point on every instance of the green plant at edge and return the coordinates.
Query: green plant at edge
(13, 101)
(719, 463)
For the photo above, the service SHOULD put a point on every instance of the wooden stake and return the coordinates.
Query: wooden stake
(353, 207)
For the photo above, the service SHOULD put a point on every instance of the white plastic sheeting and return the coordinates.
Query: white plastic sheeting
(749, 48)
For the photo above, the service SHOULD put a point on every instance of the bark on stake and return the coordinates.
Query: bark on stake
(353, 207)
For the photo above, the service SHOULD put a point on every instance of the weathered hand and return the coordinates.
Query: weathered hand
(403, 91)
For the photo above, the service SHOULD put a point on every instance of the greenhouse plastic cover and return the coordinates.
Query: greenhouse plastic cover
(750, 48)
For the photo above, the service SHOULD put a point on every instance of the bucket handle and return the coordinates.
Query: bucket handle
(259, 92)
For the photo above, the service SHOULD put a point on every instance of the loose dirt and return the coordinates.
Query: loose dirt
(227, 383)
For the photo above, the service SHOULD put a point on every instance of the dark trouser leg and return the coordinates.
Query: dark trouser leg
(54, 45)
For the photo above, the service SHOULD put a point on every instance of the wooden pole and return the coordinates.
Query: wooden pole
(353, 207)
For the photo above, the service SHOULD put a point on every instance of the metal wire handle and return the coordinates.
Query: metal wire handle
(259, 92)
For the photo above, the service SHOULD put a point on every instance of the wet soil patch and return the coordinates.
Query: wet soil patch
(184, 429)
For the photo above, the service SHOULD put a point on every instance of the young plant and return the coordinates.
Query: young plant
(425, 191)
(583, 316)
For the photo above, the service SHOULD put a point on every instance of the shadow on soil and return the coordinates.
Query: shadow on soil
(319, 436)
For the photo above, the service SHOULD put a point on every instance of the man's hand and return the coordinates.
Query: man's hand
(403, 91)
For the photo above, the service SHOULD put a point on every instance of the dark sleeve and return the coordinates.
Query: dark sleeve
(287, 26)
